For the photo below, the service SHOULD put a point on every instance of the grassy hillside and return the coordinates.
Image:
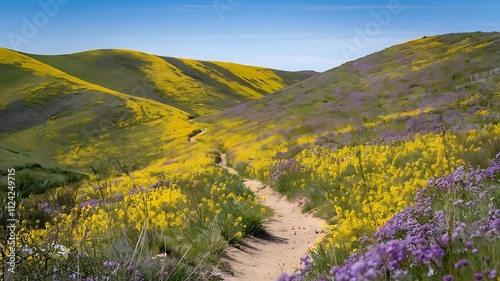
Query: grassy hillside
(77, 110)
(432, 73)
(355, 144)
(58, 119)
(197, 87)
(432, 84)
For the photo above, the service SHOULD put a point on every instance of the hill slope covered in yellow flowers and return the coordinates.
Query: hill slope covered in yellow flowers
(198, 87)
(72, 108)
(354, 144)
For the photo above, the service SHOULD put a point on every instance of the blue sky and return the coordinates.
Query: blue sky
(289, 35)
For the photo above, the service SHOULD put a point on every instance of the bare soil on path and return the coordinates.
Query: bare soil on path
(289, 235)
(193, 138)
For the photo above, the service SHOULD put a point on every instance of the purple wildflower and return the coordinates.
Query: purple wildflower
(90, 203)
(306, 263)
(343, 277)
(335, 269)
(109, 263)
(289, 166)
(444, 239)
(495, 225)
(322, 278)
(447, 278)
(461, 263)
(469, 244)
(283, 277)
(419, 236)
(470, 203)
(358, 267)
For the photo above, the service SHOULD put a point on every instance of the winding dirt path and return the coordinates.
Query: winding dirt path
(193, 138)
(290, 234)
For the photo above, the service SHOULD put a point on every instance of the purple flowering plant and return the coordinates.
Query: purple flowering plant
(450, 232)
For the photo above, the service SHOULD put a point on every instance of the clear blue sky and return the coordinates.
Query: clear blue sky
(289, 35)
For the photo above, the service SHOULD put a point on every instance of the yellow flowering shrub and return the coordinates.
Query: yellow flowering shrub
(357, 188)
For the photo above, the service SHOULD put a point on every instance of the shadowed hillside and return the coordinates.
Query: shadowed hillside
(56, 118)
(197, 87)
(101, 103)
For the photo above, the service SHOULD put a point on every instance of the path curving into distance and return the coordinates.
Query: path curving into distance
(289, 235)
(193, 138)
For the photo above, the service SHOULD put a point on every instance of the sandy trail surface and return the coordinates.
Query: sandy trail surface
(289, 235)
(193, 138)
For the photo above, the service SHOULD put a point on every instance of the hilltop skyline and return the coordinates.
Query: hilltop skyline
(298, 35)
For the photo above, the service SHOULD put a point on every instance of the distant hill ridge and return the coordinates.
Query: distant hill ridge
(66, 108)
(198, 87)
(409, 82)
(102, 101)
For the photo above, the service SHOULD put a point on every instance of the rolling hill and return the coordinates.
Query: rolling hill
(429, 84)
(353, 145)
(447, 85)
(56, 118)
(72, 110)
(197, 87)
(357, 144)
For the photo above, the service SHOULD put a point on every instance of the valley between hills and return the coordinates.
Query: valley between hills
(132, 166)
